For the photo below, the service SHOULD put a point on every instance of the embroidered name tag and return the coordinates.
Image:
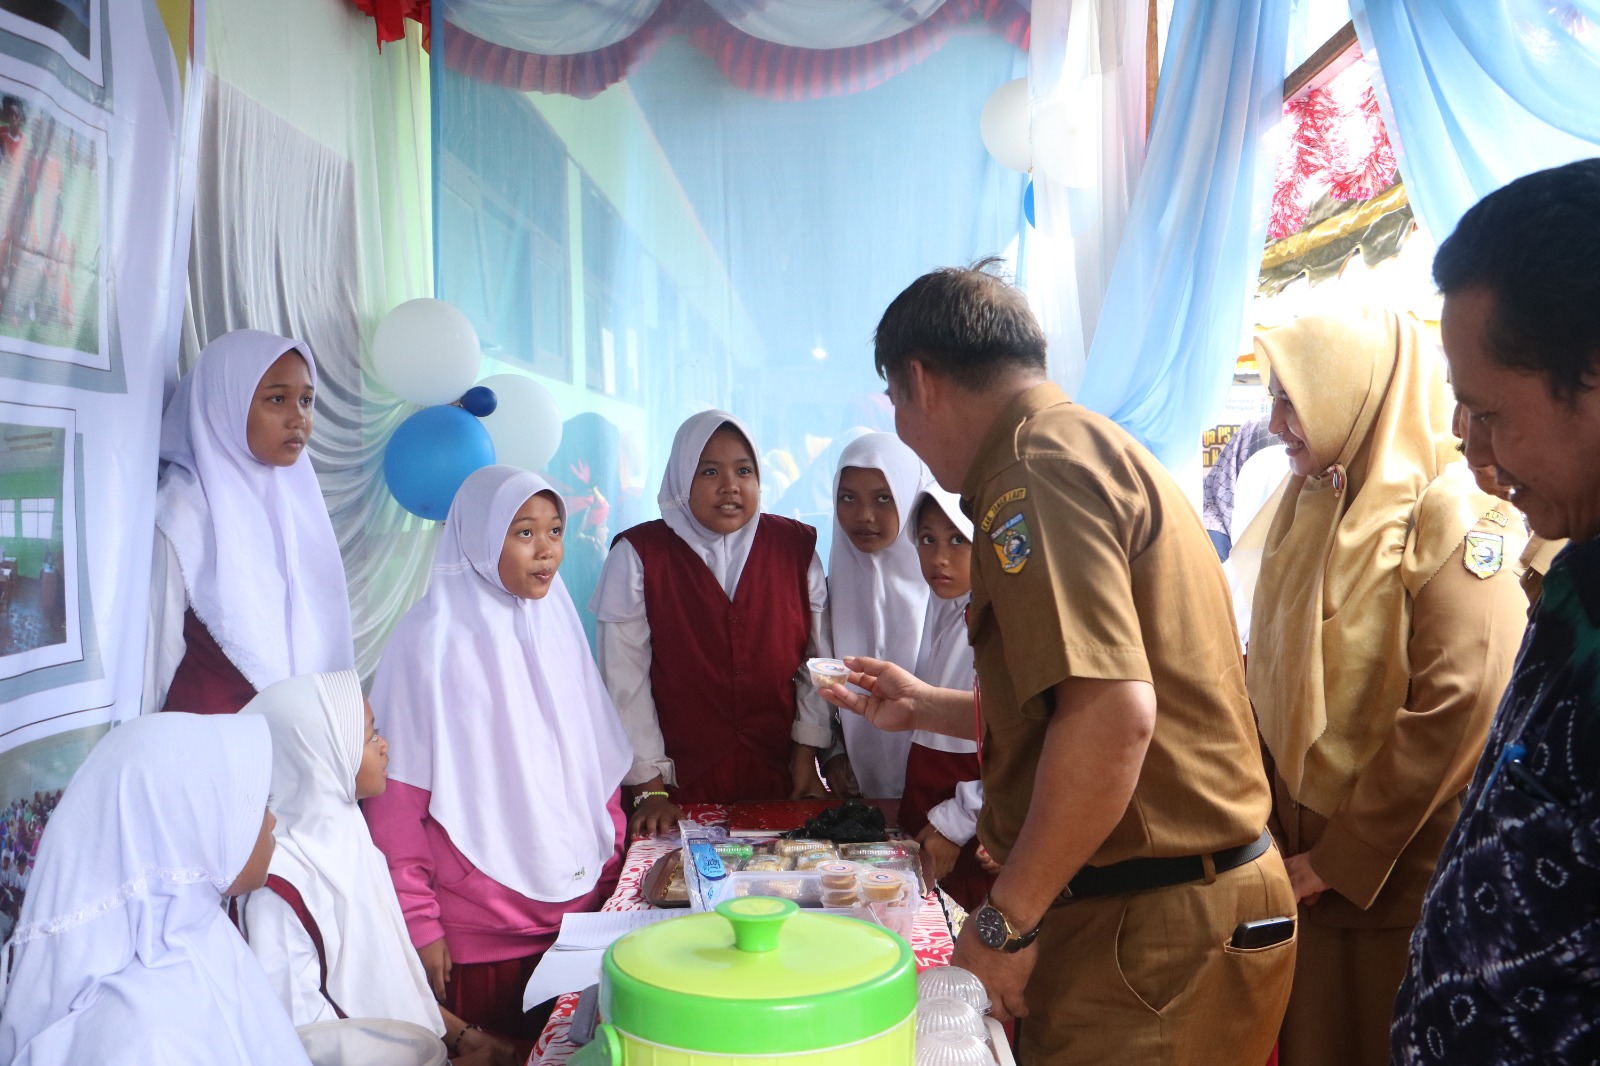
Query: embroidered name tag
(1012, 543)
(1011, 497)
(1499, 518)
(1484, 553)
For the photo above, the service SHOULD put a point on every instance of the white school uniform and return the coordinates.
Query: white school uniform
(945, 660)
(623, 633)
(877, 604)
(248, 546)
(494, 707)
(324, 849)
(123, 955)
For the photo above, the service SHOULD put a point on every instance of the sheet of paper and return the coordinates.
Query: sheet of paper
(573, 961)
(560, 972)
(597, 929)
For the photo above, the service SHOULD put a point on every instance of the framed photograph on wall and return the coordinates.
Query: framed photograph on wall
(53, 183)
(69, 28)
(39, 624)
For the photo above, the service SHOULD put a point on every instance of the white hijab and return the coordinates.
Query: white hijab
(260, 562)
(725, 554)
(123, 953)
(878, 603)
(325, 850)
(494, 705)
(945, 657)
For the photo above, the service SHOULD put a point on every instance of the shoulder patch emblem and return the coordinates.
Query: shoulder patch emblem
(1012, 543)
(1484, 553)
(1010, 497)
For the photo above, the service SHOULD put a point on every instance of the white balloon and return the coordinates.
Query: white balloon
(526, 423)
(426, 351)
(1066, 149)
(1004, 125)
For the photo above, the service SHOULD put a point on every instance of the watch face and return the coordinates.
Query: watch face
(992, 927)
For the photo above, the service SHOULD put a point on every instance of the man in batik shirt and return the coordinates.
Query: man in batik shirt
(1505, 964)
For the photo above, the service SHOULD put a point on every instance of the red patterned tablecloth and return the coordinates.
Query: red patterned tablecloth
(930, 937)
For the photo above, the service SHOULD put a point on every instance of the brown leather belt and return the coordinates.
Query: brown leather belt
(1140, 875)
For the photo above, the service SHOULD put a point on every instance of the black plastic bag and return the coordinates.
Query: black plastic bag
(852, 822)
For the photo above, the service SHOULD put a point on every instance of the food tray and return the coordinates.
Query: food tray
(806, 888)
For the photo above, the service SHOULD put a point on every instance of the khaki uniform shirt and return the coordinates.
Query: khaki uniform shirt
(1089, 561)
(1379, 849)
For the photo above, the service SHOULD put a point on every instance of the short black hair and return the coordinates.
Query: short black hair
(967, 323)
(1533, 246)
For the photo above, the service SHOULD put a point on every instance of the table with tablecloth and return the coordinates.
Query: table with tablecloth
(930, 934)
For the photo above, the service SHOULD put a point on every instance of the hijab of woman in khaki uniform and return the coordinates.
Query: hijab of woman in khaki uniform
(1372, 709)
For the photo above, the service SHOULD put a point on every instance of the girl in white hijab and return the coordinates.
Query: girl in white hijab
(943, 792)
(877, 597)
(248, 586)
(326, 873)
(123, 955)
(502, 811)
(705, 619)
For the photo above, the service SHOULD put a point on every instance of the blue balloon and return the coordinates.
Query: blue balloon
(1027, 203)
(480, 400)
(430, 455)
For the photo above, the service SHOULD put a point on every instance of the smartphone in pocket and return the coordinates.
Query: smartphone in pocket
(1262, 933)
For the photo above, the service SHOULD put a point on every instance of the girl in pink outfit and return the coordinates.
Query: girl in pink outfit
(503, 809)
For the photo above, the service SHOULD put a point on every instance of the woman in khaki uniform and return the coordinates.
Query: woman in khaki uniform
(1386, 619)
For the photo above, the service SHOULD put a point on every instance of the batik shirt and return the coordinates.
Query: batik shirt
(1505, 964)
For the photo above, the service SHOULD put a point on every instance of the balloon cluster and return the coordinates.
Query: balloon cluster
(426, 351)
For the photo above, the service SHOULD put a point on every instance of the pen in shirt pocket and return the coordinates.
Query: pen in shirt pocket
(1525, 779)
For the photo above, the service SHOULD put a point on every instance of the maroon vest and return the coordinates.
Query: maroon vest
(206, 682)
(721, 672)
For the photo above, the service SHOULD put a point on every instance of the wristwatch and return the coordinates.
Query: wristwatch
(996, 931)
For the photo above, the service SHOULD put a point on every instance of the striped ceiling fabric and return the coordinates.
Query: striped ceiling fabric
(753, 65)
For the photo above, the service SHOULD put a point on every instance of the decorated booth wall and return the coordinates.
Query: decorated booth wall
(98, 110)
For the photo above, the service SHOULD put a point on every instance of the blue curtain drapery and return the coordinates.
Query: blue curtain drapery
(1174, 311)
(1477, 94)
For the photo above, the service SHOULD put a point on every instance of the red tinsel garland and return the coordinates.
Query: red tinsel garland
(1338, 144)
(1364, 175)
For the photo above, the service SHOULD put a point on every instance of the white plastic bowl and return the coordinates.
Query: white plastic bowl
(953, 981)
(952, 1049)
(371, 1042)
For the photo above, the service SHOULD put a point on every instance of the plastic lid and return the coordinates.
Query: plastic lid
(758, 978)
(952, 1049)
(371, 1042)
(953, 981)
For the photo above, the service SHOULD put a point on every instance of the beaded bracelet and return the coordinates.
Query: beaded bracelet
(642, 796)
(454, 1046)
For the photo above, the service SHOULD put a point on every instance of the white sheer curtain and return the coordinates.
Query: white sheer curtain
(1087, 96)
(312, 220)
(1477, 94)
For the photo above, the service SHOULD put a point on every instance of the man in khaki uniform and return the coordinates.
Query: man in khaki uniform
(1124, 791)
